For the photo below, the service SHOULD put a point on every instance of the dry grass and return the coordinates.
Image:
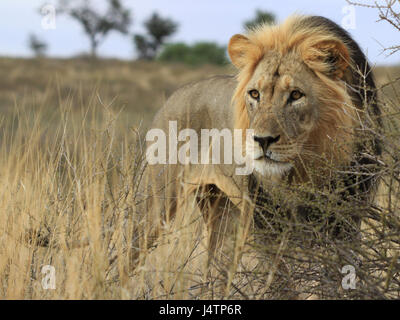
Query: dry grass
(69, 172)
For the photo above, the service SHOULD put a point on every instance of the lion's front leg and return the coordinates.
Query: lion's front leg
(228, 218)
(221, 218)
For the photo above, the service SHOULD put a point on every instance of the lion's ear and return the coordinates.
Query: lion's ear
(330, 57)
(242, 51)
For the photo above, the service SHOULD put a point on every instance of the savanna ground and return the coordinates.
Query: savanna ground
(71, 147)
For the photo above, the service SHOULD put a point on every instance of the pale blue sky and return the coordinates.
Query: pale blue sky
(215, 20)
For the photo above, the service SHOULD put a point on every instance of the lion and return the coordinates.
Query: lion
(305, 90)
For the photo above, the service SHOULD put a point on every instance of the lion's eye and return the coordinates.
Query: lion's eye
(254, 94)
(296, 95)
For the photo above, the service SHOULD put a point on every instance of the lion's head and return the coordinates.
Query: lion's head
(293, 92)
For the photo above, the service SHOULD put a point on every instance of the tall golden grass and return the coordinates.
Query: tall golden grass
(70, 163)
(70, 160)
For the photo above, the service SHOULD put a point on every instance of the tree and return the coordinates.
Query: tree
(388, 11)
(158, 30)
(143, 47)
(98, 25)
(197, 54)
(37, 46)
(176, 52)
(260, 18)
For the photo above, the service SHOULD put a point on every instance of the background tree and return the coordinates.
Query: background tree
(197, 54)
(95, 24)
(158, 30)
(37, 46)
(260, 18)
(388, 11)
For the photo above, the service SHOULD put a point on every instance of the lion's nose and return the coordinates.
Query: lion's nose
(265, 142)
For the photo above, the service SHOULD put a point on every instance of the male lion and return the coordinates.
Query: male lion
(306, 90)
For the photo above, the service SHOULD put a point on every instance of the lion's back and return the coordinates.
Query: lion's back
(198, 105)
